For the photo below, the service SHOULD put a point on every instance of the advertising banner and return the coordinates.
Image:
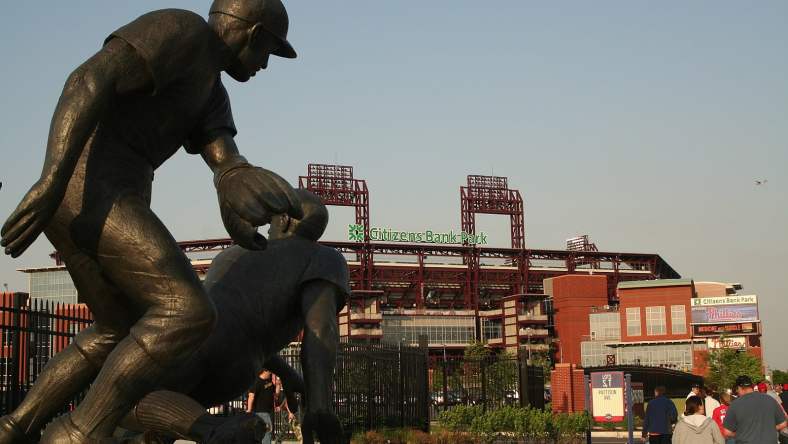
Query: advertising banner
(607, 396)
(725, 300)
(738, 329)
(731, 342)
(715, 314)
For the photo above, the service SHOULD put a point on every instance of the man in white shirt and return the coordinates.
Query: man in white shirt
(695, 391)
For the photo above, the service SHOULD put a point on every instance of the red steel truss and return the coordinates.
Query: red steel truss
(491, 195)
(410, 271)
(335, 185)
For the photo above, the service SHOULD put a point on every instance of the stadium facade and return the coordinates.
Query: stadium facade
(450, 286)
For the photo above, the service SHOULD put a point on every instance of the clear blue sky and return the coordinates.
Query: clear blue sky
(643, 124)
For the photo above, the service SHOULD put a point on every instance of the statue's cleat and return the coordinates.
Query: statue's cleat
(11, 433)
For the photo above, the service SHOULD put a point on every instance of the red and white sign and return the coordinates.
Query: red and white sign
(714, 314)
(733, 342)
(607, 396)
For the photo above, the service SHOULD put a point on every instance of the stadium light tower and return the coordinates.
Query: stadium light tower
(492, 195)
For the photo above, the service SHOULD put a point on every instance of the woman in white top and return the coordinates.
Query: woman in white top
(709, 402)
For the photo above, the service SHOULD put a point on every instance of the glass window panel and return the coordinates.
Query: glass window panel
(678, 319)
(655, 321)
(633, 321)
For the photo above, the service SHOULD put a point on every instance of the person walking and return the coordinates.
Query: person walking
(754, 418)
(782, 394)
(694, 427)
(661, 414)
(261, 401)
(771, 392)
(779, 393)
(718, 415)
(710, 402)
(694, 391)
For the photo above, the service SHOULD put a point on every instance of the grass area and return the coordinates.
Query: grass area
(679, 402)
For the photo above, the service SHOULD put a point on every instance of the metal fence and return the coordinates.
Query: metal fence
(492, 382)
(31, 334)
(374, 385)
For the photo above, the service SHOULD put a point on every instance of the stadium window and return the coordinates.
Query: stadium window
(678, 319)
(655, 321)
(633, 321)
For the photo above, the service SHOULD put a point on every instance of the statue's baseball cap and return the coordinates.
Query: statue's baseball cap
(744, 381)
(270, 13)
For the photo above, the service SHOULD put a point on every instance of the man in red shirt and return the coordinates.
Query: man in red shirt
(718, 415)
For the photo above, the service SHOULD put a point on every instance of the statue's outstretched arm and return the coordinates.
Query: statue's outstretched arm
(318, 359)
(89, 91)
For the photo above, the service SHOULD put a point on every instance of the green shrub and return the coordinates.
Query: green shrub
(519, 423)
(534, 423)
(459, 418)
(568, 425)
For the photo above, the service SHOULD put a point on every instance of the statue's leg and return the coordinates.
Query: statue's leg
(73, 368)
(175, 415)
(139, 256)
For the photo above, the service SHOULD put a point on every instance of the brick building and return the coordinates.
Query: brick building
(573, 297)
(667, 323)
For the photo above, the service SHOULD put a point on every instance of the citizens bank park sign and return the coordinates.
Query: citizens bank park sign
(378, 234)
(725, 300)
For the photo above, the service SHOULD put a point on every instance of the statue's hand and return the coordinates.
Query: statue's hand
(326, 424)
(248, 197)
(30, 218)
(243, 233)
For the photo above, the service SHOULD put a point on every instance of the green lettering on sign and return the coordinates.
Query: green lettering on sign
(451, 237)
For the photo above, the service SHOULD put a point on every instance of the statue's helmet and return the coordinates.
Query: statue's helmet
(271, 14)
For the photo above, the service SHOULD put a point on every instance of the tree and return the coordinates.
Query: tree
(477, 350)
(780, 377)
(725, 365)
